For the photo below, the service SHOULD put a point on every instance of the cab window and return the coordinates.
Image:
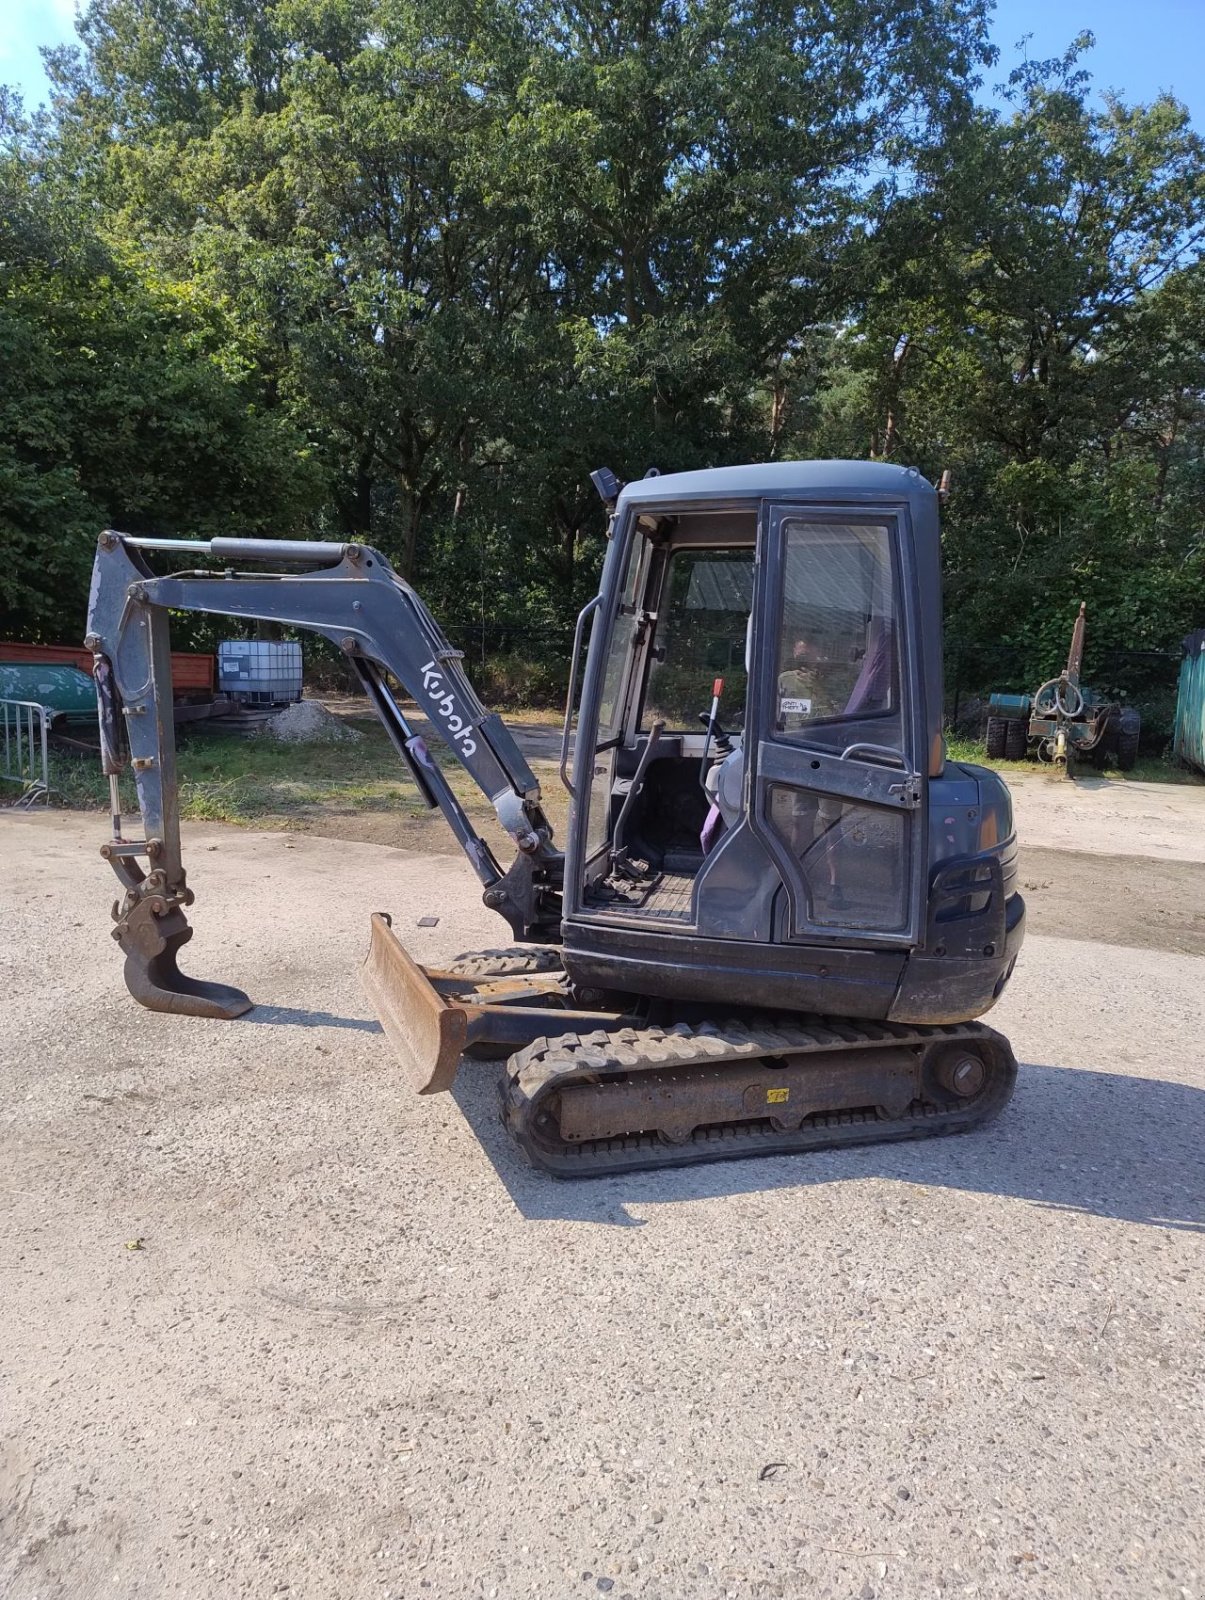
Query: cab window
(838, 646)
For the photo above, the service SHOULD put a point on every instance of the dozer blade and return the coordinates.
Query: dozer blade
(427, 1033)
(151, 945)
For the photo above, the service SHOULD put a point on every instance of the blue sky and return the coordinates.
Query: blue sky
(1141, 47)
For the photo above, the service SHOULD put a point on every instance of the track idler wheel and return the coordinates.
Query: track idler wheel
(961, 1073)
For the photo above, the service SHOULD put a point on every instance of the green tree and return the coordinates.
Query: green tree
(476, 243)
(126, 402)
(1030, 327)
(415, 271)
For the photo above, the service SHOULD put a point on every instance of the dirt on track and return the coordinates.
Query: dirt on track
(1116, 862)
(1132, 900)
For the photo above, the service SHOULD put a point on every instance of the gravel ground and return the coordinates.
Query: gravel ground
(1109, 816)
(360, 1350)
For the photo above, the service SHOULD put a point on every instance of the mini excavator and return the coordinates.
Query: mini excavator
(780, 906)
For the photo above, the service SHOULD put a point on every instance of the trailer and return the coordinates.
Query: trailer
(193, 674)
(1064, 723)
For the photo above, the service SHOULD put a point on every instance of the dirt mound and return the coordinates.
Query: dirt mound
(309, 722)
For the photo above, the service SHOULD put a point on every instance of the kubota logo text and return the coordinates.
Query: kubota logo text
(437, 691)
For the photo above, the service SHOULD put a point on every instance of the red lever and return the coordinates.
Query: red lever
(717, 688)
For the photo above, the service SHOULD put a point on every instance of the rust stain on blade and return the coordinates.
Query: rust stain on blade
(427, 1033)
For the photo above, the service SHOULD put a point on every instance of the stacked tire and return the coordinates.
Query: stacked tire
(996, 738)
(1007, 738)
(1016, 740)
(1129, 731)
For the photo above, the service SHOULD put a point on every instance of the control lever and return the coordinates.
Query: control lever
(711, 721)
(620, 859)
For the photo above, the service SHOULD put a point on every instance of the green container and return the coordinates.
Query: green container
(1010, 705)
(1189, 744)
(66, 691)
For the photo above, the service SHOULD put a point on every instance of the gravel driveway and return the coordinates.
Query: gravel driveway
(272, 1326)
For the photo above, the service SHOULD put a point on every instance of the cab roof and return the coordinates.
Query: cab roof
(841, 480)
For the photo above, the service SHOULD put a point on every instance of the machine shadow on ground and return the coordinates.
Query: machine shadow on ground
(291, 1016)
(1098, 1143)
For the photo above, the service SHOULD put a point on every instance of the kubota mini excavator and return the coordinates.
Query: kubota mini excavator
(772, 923)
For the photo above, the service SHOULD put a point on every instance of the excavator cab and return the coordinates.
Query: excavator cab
(800, 861)
(779, 906)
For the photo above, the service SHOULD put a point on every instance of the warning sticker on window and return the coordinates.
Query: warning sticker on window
(799, 708)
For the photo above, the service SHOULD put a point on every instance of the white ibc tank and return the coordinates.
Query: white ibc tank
(261, 672)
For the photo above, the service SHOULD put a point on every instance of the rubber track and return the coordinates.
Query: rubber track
(536, 1072)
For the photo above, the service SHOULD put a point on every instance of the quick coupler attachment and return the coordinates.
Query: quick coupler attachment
(151, 933)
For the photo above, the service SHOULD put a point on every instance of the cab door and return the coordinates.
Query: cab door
(836, 792)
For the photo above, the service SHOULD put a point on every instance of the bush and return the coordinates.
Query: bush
(514, 680)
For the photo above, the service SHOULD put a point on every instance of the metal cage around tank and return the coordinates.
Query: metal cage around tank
(263, 672)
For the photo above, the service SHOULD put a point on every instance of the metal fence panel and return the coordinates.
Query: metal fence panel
(24, 750)
(1189, 743)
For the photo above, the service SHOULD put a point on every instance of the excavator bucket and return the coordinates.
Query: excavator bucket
(428, 1034)
(151, 945)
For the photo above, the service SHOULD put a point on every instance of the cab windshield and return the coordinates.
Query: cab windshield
(702, 624)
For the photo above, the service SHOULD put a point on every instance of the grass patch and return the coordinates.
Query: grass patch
(959, 748)
(256, 781)
(1150, 769)
(332, 789)
(229, 778)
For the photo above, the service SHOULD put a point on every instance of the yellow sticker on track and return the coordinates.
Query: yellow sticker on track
(777, 1097)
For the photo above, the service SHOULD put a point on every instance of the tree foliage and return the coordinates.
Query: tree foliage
(129, 401)
(408, 273)
(1034, 325)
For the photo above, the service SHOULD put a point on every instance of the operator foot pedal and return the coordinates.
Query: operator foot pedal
(632, 868)
(151, 945)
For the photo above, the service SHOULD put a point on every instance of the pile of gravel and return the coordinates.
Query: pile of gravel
(309, 722)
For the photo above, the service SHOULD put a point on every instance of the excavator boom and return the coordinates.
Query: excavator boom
(350, 595)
